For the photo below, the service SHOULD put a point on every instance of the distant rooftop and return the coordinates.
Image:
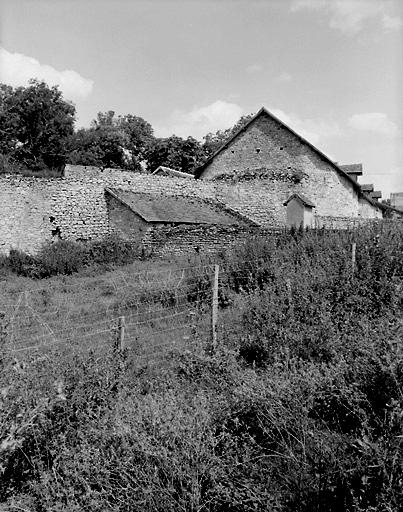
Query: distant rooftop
(367, 187)
(352, 169)
(168, 171)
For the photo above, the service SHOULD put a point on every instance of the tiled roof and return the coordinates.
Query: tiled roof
(302, 198)
(172, 209)
(352, 168)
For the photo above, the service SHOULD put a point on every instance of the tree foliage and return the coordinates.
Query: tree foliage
(37, 131)
(35, 124)
(112, 142)
(182, 154)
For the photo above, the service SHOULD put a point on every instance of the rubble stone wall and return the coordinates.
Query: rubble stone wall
(34, 211)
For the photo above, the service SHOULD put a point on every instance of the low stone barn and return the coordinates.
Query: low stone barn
(266, 161)
(173, 224)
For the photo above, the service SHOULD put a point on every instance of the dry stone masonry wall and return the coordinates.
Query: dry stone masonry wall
(34, 211)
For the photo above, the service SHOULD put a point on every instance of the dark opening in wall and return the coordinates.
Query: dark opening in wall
(257, 150)
(56, 233)
(232, 151)
(281, 148)
(52, 219)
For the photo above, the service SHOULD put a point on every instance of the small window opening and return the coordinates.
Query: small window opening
(257, 150)
(56, 232)
(232, 151)
(52, 219)
(281, 148)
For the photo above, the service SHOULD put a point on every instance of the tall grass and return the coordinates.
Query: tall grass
(300, 409)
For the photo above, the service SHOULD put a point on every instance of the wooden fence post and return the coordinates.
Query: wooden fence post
(214, 313)
(289, 296)
(121, 334)
(353, 255)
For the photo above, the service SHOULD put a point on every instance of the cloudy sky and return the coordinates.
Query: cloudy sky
(331, 69)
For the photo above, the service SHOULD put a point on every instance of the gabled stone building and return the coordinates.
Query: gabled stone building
(266, 161)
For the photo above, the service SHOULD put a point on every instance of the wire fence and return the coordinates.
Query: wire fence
(145, 313)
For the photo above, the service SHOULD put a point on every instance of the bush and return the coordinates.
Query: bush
(66, 257)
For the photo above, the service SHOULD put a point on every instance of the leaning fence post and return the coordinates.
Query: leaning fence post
(120, 345)
(214, 313)
(353, 255)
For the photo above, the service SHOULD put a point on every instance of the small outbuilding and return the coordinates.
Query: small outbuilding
(182, 223)
(299, 211)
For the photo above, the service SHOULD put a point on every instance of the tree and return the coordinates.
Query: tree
(140, 137)
(35, 125)
(97, 147)
(181, 154)
(213, 141)
(112, 142)
(101, 146)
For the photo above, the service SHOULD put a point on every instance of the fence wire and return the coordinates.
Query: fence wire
(169, 308)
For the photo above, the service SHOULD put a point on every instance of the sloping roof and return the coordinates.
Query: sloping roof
(168, 171)
(376, 194)
(172, 209)
(265, 112)
(302, 198)
(367, 187)
(352, 168)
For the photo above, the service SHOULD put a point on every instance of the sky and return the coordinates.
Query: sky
(330, 69)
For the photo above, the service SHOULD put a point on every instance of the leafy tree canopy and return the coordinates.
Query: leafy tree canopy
(182, 154)
(112, 142)
(35, 125)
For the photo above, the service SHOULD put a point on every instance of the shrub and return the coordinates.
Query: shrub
(66, 257)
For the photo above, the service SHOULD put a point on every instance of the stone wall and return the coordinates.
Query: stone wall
(197, 239)
(124, 222)
(36, 210)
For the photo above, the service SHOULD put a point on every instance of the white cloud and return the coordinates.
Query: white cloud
(392, 22)
(350, 16)
(376, 122)
(199, 121)
(16, 69)
(313, 130)
(254, 68)
(284, 77)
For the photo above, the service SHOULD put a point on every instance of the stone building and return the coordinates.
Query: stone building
(267, 161)
(249, 178)
(182, 224)
(396, 200)
(299, 211)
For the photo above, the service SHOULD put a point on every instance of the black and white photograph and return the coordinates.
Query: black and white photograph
(201, 256)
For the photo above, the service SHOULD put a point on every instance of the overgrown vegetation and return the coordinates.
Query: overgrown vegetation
(65, 257)
(301, 408)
